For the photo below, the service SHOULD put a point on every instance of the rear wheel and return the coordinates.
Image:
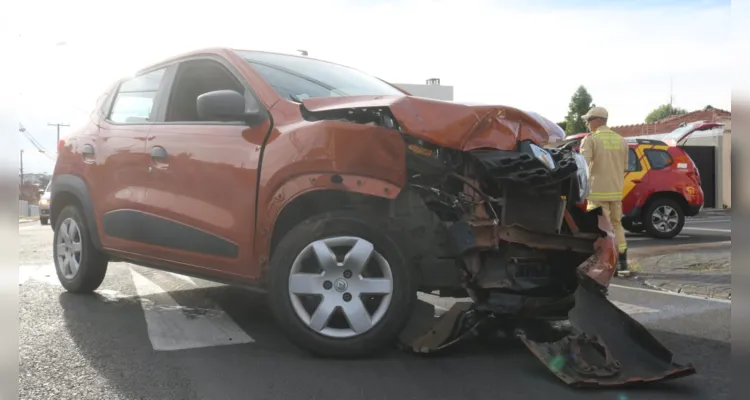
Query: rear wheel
(80, 266)
(339, 285)
(664, 218)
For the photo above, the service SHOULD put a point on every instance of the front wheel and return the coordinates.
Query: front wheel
(664, 219)
(44, 221)
(340, 286)
(80, 266)
(631, 226)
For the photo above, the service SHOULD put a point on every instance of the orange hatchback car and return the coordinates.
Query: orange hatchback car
(338, 193)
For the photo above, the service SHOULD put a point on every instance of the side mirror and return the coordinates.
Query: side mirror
(229, 105)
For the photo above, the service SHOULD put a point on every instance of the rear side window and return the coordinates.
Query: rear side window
(134, 100)
(659, 159)
(633, 163)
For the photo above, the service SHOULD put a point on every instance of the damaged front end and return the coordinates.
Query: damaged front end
(502, 214)
(533, 264)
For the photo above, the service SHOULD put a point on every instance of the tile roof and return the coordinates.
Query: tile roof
(672, 122)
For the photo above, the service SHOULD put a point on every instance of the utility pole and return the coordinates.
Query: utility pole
(671, 96)
(21, 169)
(58, 125)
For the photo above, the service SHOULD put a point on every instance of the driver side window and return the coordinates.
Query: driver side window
(633, 163)
(194, 78)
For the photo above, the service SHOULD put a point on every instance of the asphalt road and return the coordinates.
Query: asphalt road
(706, 227)
(153, 335)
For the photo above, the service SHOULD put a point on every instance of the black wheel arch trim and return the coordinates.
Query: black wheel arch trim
(75, 186)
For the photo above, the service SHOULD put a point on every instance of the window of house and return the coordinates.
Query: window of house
(194, 78)
(135, 98)
(658, 159)
(633, 163)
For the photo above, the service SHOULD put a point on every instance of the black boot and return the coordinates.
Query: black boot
(622, 265)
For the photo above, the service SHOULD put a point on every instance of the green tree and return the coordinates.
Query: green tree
(562, 124)
(664, 111)
(580, 103)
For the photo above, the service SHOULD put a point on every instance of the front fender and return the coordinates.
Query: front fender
(303, 184)
(75, 186)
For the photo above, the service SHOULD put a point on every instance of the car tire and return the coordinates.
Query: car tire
(654, 219)
(301, 325)
(72, 246)
(44, 221)
(630, 226)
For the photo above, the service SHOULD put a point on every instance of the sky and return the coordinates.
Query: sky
(530, 54)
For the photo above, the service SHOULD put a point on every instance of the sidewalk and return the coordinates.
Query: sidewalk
(22, 220)
(705, 272)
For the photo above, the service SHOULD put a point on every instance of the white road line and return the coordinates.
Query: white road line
(672, 293)
(38, 273)
(706, 221)
(637, 238)
(632, 308)
(172, 327)
(692, 228)
(442, 304)
(184, 278)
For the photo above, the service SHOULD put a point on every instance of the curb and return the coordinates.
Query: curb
(658, 250)
(673, 288)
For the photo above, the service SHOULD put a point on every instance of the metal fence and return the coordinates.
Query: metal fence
(27, 210)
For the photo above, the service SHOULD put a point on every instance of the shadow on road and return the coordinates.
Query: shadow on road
(112, 335)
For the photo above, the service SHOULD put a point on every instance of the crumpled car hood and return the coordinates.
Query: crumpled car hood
(450, 124)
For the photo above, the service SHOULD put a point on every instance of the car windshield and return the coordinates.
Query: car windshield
(300, 78)
(677, 133)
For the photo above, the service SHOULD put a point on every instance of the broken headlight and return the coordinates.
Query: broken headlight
(583, 176)
(543, 155)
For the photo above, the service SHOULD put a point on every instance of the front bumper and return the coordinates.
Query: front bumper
(600, 266)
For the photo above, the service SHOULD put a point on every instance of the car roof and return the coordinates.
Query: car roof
(223, 51)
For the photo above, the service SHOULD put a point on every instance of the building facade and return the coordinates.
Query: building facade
(432, 89)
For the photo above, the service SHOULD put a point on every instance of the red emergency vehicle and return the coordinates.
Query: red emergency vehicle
(662, 183)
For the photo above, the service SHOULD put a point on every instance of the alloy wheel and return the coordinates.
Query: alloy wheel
(665, 219)
(349, 280)
(69, 246)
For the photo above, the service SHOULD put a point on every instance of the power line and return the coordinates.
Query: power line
(58, 125)
(33, 141)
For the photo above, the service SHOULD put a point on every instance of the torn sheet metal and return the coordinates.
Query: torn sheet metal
(609, 348)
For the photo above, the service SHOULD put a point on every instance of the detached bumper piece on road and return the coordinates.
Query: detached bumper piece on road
(607, 348)
(604, 347)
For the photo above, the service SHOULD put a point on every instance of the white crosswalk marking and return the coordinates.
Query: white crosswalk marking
(38, 273)
(174, 327)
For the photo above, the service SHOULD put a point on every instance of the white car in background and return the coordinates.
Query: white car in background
(44, 205)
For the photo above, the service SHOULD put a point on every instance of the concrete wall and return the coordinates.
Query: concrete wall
(724, 192)
(437, 92)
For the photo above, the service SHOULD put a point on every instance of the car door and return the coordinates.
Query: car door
(200, 200)
(116, 158)
(634, 191)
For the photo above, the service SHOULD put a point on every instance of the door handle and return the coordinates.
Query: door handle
(88, 153)
(158, 158)
(158, 153)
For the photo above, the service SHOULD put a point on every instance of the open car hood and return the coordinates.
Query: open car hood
(450, 124)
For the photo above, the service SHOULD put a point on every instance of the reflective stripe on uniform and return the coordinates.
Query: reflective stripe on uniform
(610, 139)
(605, 196)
